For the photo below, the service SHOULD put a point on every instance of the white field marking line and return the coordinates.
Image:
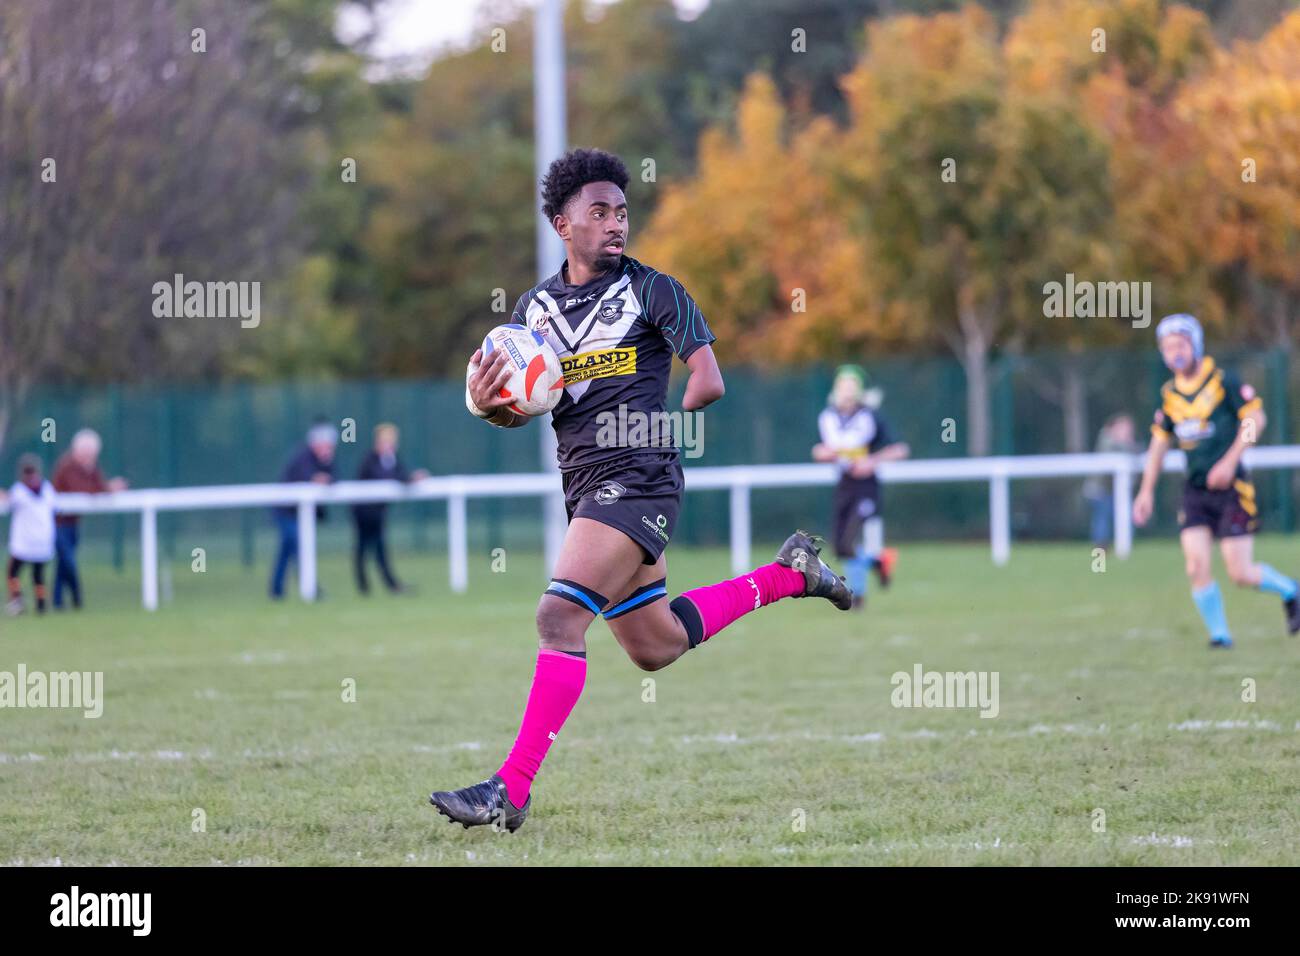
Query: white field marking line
(58, 861)
(877, 736)
(924, 844)
(135, 756)
(1229, 725)
(1156, 839)
(1034, 730)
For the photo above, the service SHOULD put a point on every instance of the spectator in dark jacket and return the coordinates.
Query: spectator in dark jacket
(313, 461)
(76, 470)
(381, 464)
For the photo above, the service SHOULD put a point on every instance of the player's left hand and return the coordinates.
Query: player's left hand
(1221, 475)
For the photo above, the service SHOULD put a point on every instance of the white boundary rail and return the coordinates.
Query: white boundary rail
(456, 490)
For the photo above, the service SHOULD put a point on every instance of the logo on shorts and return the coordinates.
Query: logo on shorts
(609, 492)
(657, 526)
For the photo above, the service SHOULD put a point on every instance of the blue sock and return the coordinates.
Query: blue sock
(1209, 601)
(1271, 579)
(855, 575)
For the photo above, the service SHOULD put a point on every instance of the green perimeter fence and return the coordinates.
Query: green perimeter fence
(169, 436)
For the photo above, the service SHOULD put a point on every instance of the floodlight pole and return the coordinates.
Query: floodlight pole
(548, 143)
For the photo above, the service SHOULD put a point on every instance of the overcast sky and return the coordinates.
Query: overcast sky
(413, 31)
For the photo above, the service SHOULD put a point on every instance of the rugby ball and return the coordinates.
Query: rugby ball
(537, 379)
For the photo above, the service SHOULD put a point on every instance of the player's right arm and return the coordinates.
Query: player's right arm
(1144, 503)
(483, 384)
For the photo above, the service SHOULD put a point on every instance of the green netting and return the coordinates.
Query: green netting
(230, 434)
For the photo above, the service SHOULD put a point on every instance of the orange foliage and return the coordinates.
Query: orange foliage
(758, 224)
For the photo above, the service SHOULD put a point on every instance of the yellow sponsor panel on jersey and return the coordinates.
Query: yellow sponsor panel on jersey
(601, 363)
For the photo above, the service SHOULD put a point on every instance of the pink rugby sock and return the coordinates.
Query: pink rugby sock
(727, 601)
(557, 685)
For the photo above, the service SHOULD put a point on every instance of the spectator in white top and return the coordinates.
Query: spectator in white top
(31, 532)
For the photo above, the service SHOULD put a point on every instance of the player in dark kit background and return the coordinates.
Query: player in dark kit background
(615, 325)
(1214, 416)
(856, 437)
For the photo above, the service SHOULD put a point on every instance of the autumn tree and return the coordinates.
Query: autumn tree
(970, 192)
(1113, 67)
(1245, 112)
(758, 238)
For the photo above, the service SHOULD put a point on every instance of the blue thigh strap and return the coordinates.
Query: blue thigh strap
(639, 598)
(578, 594)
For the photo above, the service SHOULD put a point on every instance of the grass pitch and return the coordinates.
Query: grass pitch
(776, 743)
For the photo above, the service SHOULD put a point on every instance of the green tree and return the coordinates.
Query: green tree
(134, 148)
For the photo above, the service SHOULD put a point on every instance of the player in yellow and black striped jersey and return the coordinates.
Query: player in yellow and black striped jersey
(1213, 416)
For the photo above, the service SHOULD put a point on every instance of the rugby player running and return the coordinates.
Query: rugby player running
(1214, 416)
(615, 324)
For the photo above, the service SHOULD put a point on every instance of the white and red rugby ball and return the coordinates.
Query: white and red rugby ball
(536, 380)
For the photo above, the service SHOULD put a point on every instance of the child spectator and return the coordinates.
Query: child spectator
(31, 532)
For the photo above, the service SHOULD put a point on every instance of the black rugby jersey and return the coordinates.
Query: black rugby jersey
(616, 337)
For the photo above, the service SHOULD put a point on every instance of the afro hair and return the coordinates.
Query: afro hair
(566, 176)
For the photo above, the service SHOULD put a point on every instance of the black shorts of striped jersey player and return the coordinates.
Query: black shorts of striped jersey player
(616, 325)
(1214, 417)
